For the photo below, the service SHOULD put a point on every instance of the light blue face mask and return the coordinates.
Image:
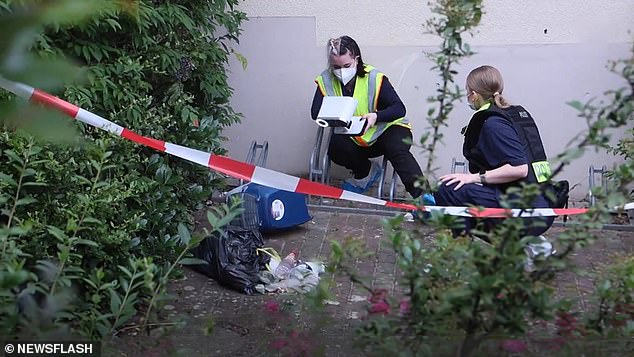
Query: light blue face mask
(471, 105)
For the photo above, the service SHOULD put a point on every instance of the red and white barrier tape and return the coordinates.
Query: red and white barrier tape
(256, 174)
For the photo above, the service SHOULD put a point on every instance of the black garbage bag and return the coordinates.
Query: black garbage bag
(232, 258)
(557, 193)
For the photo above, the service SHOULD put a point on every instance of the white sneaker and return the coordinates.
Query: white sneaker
(544, 247)
(408, 217)
(533, 250)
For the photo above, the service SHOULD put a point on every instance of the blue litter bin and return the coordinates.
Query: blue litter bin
(276, 209)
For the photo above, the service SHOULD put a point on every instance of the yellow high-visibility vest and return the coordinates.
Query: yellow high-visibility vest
(366, 92)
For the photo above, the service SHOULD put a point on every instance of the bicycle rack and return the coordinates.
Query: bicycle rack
(319, 165)
(592, 171)
(455, 164)
(257, 155)
(379, 193)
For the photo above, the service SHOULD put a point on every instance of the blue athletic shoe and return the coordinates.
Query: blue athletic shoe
(362, 185)
(427, 199)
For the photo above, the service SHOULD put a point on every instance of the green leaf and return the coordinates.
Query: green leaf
(196, 239)
(14, 157)
(86, 242)
(113, 24)
(605, 286)
(83, 180)
(243, 60)
(183, 234)
(213, 220)
(34, 184)
(577, 105)
(336, 248)
(89, 282)
(209, 327)
(56, 232)
(25, 201)
(92, 220)
(407, 254)
(125, 270)
(192, 261)
(115, 302)
(6, 178)
(164, 173)
(28, 172)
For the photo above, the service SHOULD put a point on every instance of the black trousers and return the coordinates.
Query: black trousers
(343, 151)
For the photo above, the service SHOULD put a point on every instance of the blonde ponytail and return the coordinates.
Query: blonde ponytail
(500, 101)
(488, 83)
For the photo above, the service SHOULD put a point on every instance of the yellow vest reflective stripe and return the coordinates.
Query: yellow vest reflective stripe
(366, 92)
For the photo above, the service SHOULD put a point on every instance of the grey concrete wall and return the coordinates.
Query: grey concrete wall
(399, 22)
(275, 92)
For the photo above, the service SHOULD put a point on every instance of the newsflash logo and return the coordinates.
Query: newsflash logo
(16, 349)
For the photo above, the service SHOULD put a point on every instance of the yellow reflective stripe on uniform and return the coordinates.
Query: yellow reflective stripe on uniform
(542, 170)
(320, 85)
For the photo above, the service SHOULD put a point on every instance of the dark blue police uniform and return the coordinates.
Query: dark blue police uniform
(500, 144)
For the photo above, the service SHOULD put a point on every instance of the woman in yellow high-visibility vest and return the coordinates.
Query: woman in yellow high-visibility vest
(384, 111)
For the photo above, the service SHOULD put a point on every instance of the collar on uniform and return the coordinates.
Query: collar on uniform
(486, 106)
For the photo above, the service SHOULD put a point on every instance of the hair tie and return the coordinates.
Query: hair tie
(496, 93)
(335, 44)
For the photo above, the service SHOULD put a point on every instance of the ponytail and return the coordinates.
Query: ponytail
(488, 83)
(345, 44)
(500, 101)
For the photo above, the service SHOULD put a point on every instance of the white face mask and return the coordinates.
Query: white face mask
(471, 105)
(345, 74)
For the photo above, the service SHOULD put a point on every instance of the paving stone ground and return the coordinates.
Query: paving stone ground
(241, 326)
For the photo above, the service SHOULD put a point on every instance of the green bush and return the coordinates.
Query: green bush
(614, 313)
(85, 215)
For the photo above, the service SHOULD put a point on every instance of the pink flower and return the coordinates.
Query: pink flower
(272, 306)
(566, 323)
(557, 343)
(380, 307)
(378, 295)
(404, 306)
(514, 346)
(278, 344)
(541, 323)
